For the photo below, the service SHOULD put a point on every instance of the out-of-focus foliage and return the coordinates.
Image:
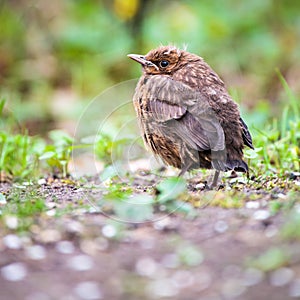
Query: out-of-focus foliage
(80, 47)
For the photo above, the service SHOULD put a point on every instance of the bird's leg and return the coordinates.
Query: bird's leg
(184, 169)
(215, 180)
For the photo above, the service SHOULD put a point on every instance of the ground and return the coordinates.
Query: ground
(76, 248)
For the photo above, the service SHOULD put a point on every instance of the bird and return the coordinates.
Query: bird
(186, 115)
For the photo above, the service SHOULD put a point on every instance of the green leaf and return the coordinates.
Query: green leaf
(190, 255)
(2, 103)
(170, 189)
(47, 155)
(250, 153)
(135, 209)
(272, 259)
(108, 173)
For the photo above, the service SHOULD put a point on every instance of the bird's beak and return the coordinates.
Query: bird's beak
(142, 60)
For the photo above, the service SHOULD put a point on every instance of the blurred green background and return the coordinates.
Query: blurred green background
(55, 56)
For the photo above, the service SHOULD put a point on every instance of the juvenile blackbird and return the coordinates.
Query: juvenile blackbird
(186, 115)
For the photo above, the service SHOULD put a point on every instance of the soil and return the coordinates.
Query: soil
(84, 253)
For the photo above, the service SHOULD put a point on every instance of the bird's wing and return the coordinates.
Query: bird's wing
(184, 111)
(246, 134)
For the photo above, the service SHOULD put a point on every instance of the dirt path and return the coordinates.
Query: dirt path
(214, 254)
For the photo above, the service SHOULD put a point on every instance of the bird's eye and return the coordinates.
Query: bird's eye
(164, 63)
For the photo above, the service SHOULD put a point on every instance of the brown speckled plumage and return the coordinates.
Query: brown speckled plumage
(185, 113)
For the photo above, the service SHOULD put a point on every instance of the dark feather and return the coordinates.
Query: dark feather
(246, 135)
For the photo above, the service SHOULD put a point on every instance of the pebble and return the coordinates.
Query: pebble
(232, 288)
(252, 277)
(281, 277)
(51, 212)
(252, 204)
(36, 252)
(162, 223)
(88, 290)
(281, 195)
(42, 181)
(183, 279)
(65, 247)
(80, 263)
(74, 227)
(162, 288)
(146, 266)
(11, 222)
(12, 241)
(51, 205)
(50, 236)
(221, 226)
(14, 272)
(92, 247)
(102, 243)
(109, 231)
(271, 231)
(261, 214)
(200, 186)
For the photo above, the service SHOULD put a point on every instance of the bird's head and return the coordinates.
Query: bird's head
(162, 60)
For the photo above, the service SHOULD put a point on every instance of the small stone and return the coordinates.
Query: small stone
(162, 223)
(65, 247)
(49, 236)
(74, 227)
(102, 243)
(200, 186)
(11, 222)
(281, 277)
(271, 231)
(12, 241)
(109, 231)
(281, 195)
(252, 277)
(88, 290)
(36, 252)
(146, 266)
(221, 226)
(51, 212)
(261, 214)
(183, 279)
(42, 181)
(252, 204)
(80, 263)
(162, 288)
(233, 288)
(14, 272)
(51, 205)
(89, 247)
